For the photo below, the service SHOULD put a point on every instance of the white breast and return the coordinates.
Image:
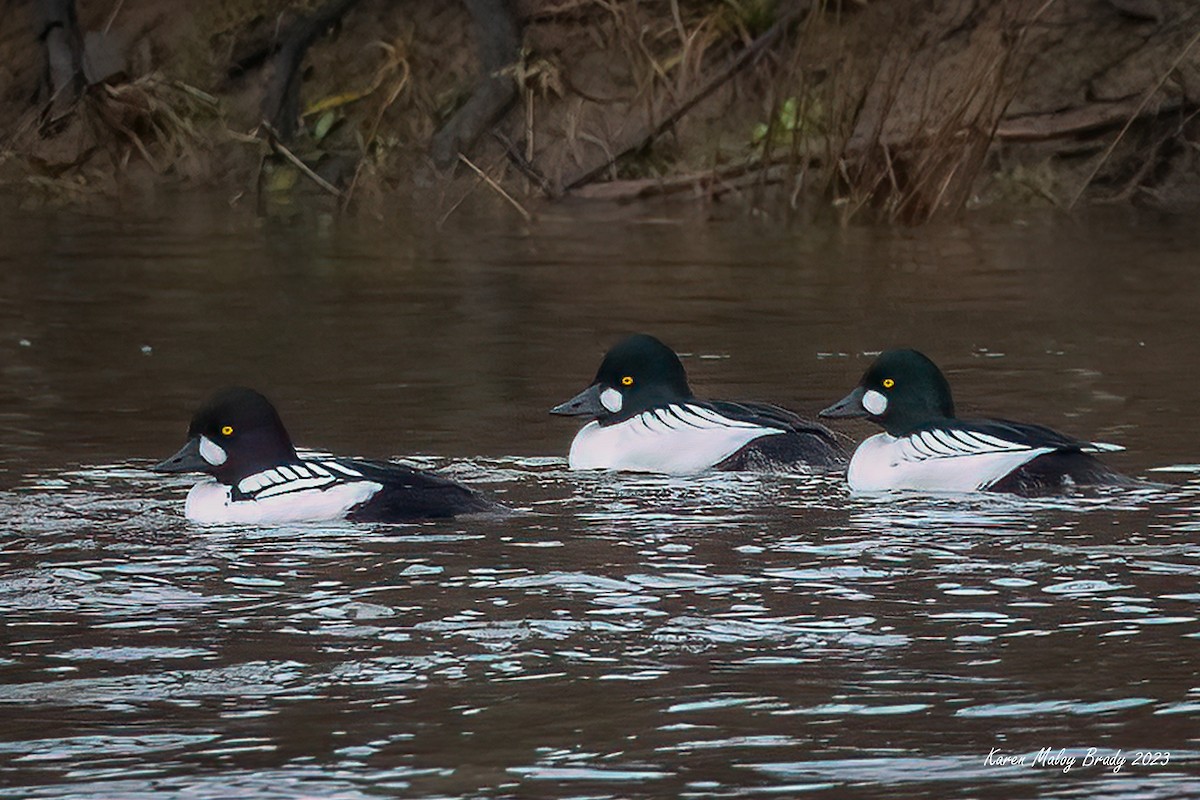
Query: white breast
(211, 503)
(936, 462)
(677, 440)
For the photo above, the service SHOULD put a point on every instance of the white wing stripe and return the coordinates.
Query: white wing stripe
(950, 442)
(651, 421)
(696, 419)
(659, 420)
(285, 479)
(915, 447)
(276, 482)
(250, 483)
(968, 439)
(678, 412)
(923, 447)
(935, 444)
(722, 421)
(1001, 444)
(295, 486)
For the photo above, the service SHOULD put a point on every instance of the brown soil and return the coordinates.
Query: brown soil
(902, 110)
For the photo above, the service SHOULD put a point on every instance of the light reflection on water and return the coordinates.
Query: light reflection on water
(764, 634)
(617, 636)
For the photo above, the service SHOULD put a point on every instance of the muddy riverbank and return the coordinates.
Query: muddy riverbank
(899, 111)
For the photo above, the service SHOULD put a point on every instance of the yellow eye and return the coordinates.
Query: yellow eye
(627, 380)
(888, 383)
(227, 430)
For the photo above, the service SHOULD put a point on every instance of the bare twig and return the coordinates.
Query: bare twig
(1152, 159)
(200, 95)
(450, 211)
(112, 16)
(496, 187)
(396, 90)
(1133, 117)
(279, 148)
(524, 165)
(678, 18)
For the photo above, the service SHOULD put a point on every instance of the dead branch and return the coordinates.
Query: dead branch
(711, 183)
(1084, 119)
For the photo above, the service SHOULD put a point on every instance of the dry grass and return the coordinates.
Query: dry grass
(904, 137)
(887, 131)
(856, 111)
(161, 120)
(164, 123)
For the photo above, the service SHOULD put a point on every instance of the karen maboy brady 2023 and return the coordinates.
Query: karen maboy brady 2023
(1057, 759)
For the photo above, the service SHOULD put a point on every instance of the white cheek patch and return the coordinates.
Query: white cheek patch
(612, 400)
(874, 402)
(212, 452)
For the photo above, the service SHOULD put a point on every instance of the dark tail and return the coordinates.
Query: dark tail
(1059, 471)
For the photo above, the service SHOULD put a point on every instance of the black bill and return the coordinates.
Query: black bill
(849, 406)
(585, 404)
(188, 459)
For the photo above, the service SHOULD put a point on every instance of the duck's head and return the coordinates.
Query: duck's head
(900, 390)
(640, 372)
(235, 434)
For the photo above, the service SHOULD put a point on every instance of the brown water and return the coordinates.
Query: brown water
(723, 636)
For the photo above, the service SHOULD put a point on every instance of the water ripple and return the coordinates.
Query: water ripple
(620, 636)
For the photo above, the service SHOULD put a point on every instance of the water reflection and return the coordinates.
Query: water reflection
(728, 636)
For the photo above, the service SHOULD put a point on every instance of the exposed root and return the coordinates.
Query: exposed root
(281, 101)
(499, 35)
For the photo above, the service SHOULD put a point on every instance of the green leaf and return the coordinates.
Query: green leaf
(787, 114)
(321, 129)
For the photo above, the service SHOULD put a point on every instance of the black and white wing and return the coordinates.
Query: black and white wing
(404, 493)
(692, 415)
(297, 477)
(957, 438)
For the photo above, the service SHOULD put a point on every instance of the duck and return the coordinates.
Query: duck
(643, 417)
(925, 447)
(255, 475)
